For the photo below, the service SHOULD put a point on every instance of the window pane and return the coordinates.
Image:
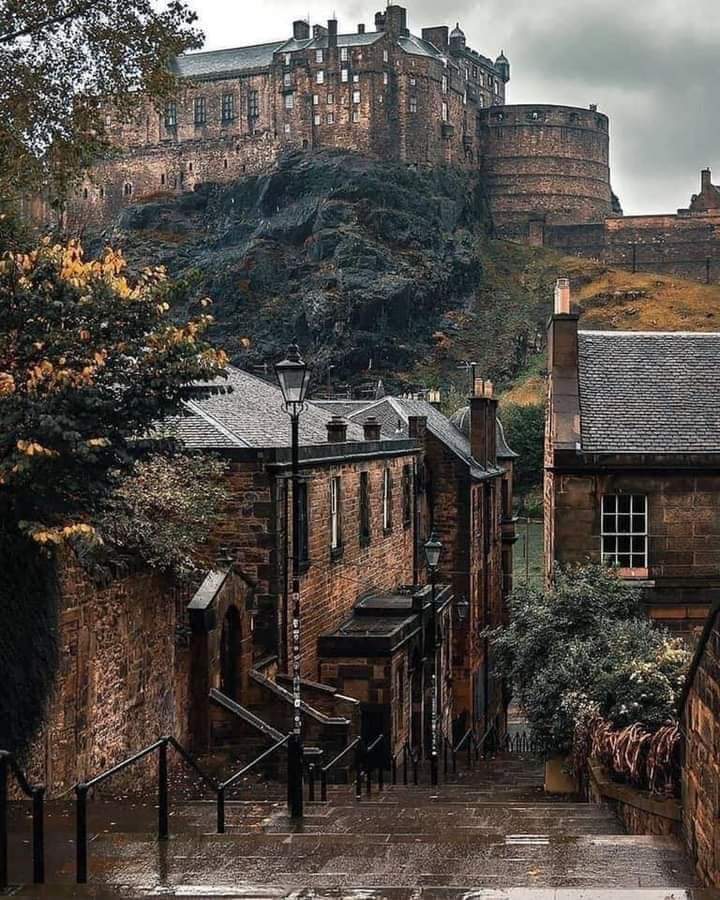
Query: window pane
(624, 503)
(610, 503)
(609, 524)
(638, 545)
(623, 544)
(623, 560)
(608, 546)
(623, 525)
(638, 524)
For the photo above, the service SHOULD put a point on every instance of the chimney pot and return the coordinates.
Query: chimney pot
(562, 296)
(337, 430)
(332, 33)
(361, 28)
(706, 180)
(371, 427)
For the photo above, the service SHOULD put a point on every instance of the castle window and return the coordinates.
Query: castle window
(356, 78)
(535, 115)
(481, 100)
(127, 189)
(407, 496)
(287, 128)
(386, 56)
(288, 59)
(330, 99)
(253, 105)
(344, 54)
(386, 78)
(200, 111)
(467, 74)
(287, 79)
(364, 507)
(345, 75)
(444, 84)
(331, 118)
(162, 179)
(316, 99)
(444, 111)
(356, 96)
(317, 119)
(318, 56)
(624, 530)
(289, 101)
(225, 164)
(465, 98)
(85, 193)
(413, 104)
(102, 193)
(171, 114)
(387, 500)
(335, 506)
(228, 107)
(478, 125)
(320, 76)
(355, 116)
(190, 167)
(475, 73)
(413, 82)
(381, 98)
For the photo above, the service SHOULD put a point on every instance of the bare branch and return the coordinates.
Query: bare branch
(80, 9)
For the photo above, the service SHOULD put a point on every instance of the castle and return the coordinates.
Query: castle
(389, 94)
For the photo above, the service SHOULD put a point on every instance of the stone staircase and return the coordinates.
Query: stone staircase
(486, 834)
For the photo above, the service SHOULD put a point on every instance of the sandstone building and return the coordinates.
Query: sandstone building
(631, 460)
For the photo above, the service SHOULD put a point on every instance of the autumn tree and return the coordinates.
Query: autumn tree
(63, 65)
(90, 361)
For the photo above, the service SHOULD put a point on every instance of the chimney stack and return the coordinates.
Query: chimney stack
(371, 427)
(483, 423)
(301, 30)
(332, 33)
(562, 296)
(417, 427)
(379, 21)
(705, 180)
(337, 430)
(361, 28)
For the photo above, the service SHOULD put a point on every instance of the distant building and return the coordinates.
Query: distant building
(632, 460)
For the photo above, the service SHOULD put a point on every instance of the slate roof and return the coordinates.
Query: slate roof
(643, 392)
(461, 420)
(393, 413)
(248, 412)
(219, 62)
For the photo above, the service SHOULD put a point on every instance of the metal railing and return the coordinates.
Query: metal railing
(366, 760)
(374, 752)
(81, 790)
(233, 780)
(36, 793)
(353, 747)
(408, 755)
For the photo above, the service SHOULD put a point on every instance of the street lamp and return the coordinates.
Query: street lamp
(293, 376)
(433, 549)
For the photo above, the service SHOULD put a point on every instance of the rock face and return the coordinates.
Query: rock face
(361, 261)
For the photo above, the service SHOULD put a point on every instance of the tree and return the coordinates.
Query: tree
(525, 432)
(89, 361)
(64, 64)
(585, 647)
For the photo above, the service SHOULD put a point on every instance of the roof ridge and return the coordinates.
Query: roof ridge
(652, 333)
(199, 411)
(233, 49)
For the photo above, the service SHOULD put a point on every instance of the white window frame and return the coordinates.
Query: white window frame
(320, 76)
(331, 118)
(335, 539)
(345, 75)
(316, 99)
(344, 54)
(317, 119)
(356, 78)
(387, 501)
(318, 56)
(618, 525)
(289, 101)
(386, 56)
(445, 84)
(356, 97)
(445, 113)
(413, 104)
(330, 98)
(355, 116)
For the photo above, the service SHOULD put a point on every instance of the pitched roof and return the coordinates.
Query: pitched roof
(246, 411)
(649, 392)
(461, 420)
(393, 414)
(219, 62)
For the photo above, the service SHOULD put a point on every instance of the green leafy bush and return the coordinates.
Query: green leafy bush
(585, 647)
(525, 430)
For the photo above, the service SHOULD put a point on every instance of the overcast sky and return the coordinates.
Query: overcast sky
(652, 65)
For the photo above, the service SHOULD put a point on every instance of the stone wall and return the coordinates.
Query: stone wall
(685, 245)
(701, 768)
(115, 691)
(639, 811)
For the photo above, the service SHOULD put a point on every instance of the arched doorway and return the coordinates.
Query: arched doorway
(230, 654)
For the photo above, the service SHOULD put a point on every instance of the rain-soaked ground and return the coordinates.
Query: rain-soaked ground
(489, 834)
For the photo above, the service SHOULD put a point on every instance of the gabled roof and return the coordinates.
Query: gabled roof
(649, 392)
(221, 62)
(393, 414)
(248, 412)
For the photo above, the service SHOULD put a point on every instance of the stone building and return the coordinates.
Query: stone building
(632, 457)
(468, 498)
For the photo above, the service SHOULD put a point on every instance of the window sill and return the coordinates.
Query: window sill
(336, 553)
(641, 574)
(365, 540)
(388, 531)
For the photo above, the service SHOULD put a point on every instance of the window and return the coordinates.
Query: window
(386, 56)
(345, 75)
(444, 112)
(286, 129)
(288, 59)
(330, 99)
(355, 116)
(407, 496)
(387, 499)
(399, 705)
(444, 84)
(331, 118)
(364, 522)
(320, 76)
(481, 101)
(304, 525)
(200, 111)
(413, 82)
(343, 54)
(162, 179)
(316, 99)
(386, 78)
(475, 71)
(316, 119)
(356, 96)
(289, 101)
(413, 104)
(253, 105)
(85, 193)
(335, 498)
(356, 78)
(102, 193)
(228, 107)
(464, 98)
(624, 530)
(287, 79)
(127, 189)
(318, 56)
(171, 114)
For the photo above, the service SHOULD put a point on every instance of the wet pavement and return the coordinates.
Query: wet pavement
(490, 834)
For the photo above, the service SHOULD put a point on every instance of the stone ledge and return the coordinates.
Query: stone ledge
(629, 796)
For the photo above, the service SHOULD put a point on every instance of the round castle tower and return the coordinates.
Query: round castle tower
(545, 163)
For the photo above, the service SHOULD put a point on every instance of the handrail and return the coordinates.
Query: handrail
(407, 754)
(229, 782)
(355, 745)
(83, 787)
(36, 793)
(245, 714)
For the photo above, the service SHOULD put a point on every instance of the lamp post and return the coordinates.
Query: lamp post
(433, 549)
(293, 376)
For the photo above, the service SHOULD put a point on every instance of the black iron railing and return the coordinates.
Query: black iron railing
(224, 786)
(8, 765)
(84, 787)
(409, 756)
(375, 760)
(355, 748)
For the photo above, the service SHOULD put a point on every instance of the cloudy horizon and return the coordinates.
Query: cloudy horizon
(648, 65)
